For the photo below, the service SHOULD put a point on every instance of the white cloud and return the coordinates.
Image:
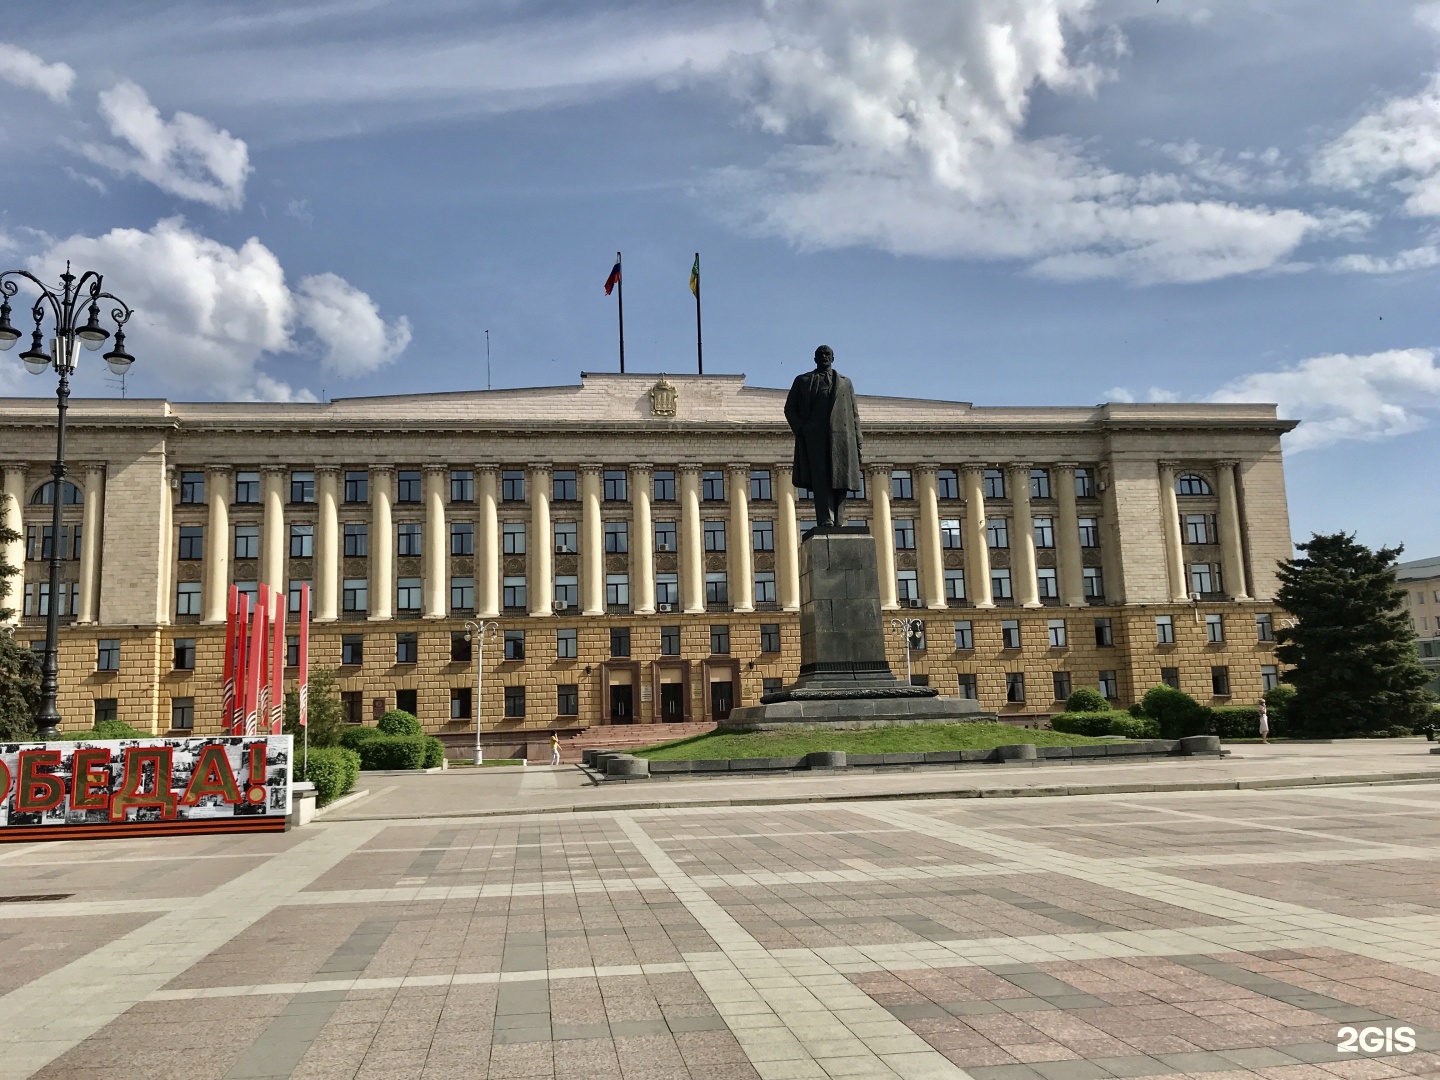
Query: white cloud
(1338, 397)
(25, 69)
(1416, 258)
(1399, 141)
(186, 156)
(207, 316)
(1125, 394)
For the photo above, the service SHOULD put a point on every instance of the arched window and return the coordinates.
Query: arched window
(1190, 484)
(72, 495)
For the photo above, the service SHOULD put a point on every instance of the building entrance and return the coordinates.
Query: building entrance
(722, 700)
(622, 704)
(672, 703)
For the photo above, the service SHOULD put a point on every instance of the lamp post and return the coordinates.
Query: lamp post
(910, 631)
(64, 303)
(475, 633)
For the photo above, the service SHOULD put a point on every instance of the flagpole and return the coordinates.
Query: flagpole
(699, 348)
(620, 286)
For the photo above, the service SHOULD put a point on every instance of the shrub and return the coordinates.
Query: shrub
(325, 713)
(393, 752)
(1238, 722)
(352, 737)
(1134, 727)
(332, 769)
(1179, 714)
(434, 753)
(1278, 702)
(1086, 700)
(1087, 723)
(107, 729)
(399, 722)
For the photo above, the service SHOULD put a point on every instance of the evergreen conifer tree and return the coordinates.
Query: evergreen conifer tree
(19, 674)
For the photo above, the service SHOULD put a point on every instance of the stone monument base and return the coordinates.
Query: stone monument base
(857, 712)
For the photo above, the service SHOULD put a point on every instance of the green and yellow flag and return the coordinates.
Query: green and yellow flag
(695, 277)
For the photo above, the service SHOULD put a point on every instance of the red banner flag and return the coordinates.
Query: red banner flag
(277, 668)
(227, 694)
(303, 660)
(238, 708)
(256, 704)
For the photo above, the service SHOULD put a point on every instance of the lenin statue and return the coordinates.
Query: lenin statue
(821, 412)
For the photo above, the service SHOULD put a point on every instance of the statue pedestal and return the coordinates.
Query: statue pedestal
(845, 679)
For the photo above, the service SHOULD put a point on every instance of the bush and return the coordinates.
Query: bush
(1278, 702)
(107, 729)
(393, 752)
(1238, 722)
(434, 753)
(352, 737)
(332, 769)
(1134, 727)
(399, 722)
(325, 713)
(1087, 723)
(1086, 700)
(1178, 714)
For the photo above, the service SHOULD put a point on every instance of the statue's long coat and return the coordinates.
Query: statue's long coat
(827, 432)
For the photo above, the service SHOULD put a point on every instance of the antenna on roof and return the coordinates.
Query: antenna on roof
(487, 359)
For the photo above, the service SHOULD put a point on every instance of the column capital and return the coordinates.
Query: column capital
(274, 470)
(382, 468)
(1225, 463)
(928, 468)
(739, 466)
(880, 467)
(1020, 466)
(1071, 465)
(1166, 463)
(546, 468)
(327, 470)
(487, 467)
(594, 468)
(220, 468)
(434, 468)
(969, 467)
(690, 467)
(642, 466)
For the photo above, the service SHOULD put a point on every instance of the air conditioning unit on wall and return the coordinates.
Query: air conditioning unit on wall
(665, 608)
(916, 602)
(560, 605)
(662, 547)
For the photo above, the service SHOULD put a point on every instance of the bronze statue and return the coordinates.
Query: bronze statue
(821, 412)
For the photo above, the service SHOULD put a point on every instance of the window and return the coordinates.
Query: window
(915, 636)
(37, 598)
(993, 484)
(1214, 629)
(762, 535)
(669, 641)
(247, 541)
(302, 541)
(947, 484)
(563, 486)
(1220, 681)
(182, 713)
(1269, 677)
(765, 588)
(1044, 532)
(357, 486)
(717, 588)
(1109, 686)
(712, 486)
(1000, 583)
(292, 650)
(664, 485)
(1092, 583)
(247, 487)
(617, 590)
(567, 589)
(248, 589)
(714, 536)
(567, 537)
(1104, 635)
(514, 644)
(1010, 633)
(907, 588)
(405, 701)
(462, 485)
(514, 702)
(407, 594)
(187, 598)
(667, 590)
(997, 532)
(409, 539)
(904, 534)
(192, 542)
(1084, 484)
(901, 486)
(512, 486)
(857, 492)
(950, 533)
(462, 649)
(462, 538)
(184, 654)
(460, 703)
(964, 634)
(1199, 528)
(1204, 578)
(1190, 484)
(462, 594)
(1039, 484)
(617, 537)
(967, 688)
(1164, 630)
(1089, 532)
(771, 686)
(192, 487)
(107, 655)
(566, 644)
(1059, 639)
(408, 486)
(620, 641)
(769, 637)
(665, 536)
(302, 487)
(616, 485)
(1060, 682)
(1264, 627)
(357, 541)
(954, 584)
(356, 595)
(760, 485)
(1015, 687)
(919, 680)
(719, 640)
(567, 699)
(1170, 676)
(512, 538)
(1046, 583)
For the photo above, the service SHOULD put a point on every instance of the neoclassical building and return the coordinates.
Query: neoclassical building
(634, 540)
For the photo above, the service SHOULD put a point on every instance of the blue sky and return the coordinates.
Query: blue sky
(999, 201)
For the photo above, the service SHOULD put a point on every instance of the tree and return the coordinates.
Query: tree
(1352, 651)
(325, 714)
(19, 674)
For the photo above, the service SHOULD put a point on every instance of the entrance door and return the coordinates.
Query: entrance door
(622, 704)
(672, 702)
(722, 699)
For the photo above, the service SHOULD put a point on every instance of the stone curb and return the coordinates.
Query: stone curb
(321, 811)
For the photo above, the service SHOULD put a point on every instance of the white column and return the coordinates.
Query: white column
(272, 534)
(1022, 537)
(14, 550)
(327, 545)
(787, 541)
(1174, 552)
(487, 542)
(540, 543)
(738, 542)
(165, 577)
(883, 530)
(382, 542)
(1232, 552)
(932, 558)
(216, 587)
(435, 552)
(1067, 537)
(692, 546)
(592, 542)
(642, 541)
(90, 542)
(977, 552)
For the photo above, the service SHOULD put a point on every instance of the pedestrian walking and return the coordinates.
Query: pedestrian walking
(1264, 722)
(554, 749)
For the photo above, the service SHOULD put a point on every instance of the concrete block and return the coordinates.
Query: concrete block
(1016, 752)
(826, 759)
(1199, 744)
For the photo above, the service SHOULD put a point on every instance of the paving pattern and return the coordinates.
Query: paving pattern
(1207, 934)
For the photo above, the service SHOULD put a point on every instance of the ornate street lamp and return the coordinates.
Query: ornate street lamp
(476, 633)
(65, 304)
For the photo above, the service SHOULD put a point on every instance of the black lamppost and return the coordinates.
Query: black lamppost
(64, 304)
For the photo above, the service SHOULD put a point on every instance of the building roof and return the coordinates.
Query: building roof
(1419, 569)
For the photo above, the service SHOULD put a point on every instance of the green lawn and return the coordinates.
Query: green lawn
(793, 742)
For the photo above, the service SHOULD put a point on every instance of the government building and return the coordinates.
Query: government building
(634, 540)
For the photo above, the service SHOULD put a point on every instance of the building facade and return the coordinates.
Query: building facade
(635, 542)
(1421, 580)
